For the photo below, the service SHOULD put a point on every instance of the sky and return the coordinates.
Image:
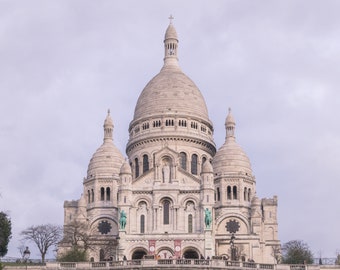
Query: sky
(63, 64)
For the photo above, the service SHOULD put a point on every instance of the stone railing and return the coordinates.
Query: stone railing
(163, 263)
(152, 264)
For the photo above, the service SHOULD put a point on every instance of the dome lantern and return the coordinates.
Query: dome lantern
(230, 125)
(170, 45)
(108, 127)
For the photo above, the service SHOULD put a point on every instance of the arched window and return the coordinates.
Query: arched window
(92, 195)
(245, 194)
(142, 224)
(183, 160)
(88, 196)
(145, 163)
(194, 164)
(190, 223)
(234, 192)
(204, 159)
(169, 122)
(102, 193)
(166, 212)
(108, 194)
(229, 192)
(218, 194)
(136, 168)
(249, 194)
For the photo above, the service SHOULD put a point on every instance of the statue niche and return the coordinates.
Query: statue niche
(166, 170)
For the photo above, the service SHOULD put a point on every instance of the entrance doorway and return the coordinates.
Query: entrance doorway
(190, 254)
(138, 254)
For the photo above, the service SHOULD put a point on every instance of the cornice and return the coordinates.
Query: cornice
(161, 138)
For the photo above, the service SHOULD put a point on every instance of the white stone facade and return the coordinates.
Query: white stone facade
(172, 179)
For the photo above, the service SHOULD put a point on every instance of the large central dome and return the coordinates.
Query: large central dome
(171, 91)
(171, 107)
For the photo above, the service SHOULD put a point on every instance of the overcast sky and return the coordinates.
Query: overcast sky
(63, 64)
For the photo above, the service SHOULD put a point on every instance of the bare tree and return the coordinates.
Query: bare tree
(337, 259)
(110, 250)
(77, 236)
(21, 249)
(276, 253)
(78, 240)
(44, 236)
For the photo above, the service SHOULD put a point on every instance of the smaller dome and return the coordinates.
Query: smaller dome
(107, 160)
(207, 167)
(126, 168)
(230, 158)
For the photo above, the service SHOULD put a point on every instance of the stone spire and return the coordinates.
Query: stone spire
(230, 125)
(170, 45)
(108, 127)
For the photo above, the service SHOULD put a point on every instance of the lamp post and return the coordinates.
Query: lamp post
(26, 255)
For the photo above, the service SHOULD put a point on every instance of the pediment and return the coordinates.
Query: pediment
(145, 181)
(168, 154)
(185, 177)
(182, 180)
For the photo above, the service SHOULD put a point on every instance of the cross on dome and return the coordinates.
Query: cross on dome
(171, 18)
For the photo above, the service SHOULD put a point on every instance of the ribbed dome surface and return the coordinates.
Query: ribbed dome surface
(171, 91)
(106, 161)
(231, 158)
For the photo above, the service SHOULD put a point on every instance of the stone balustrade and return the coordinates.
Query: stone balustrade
(162, 264)
(173, 264)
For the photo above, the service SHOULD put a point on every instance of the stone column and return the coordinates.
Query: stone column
(122, 245)
(209, 249)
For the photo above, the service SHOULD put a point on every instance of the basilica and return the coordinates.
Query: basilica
(174, 195)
